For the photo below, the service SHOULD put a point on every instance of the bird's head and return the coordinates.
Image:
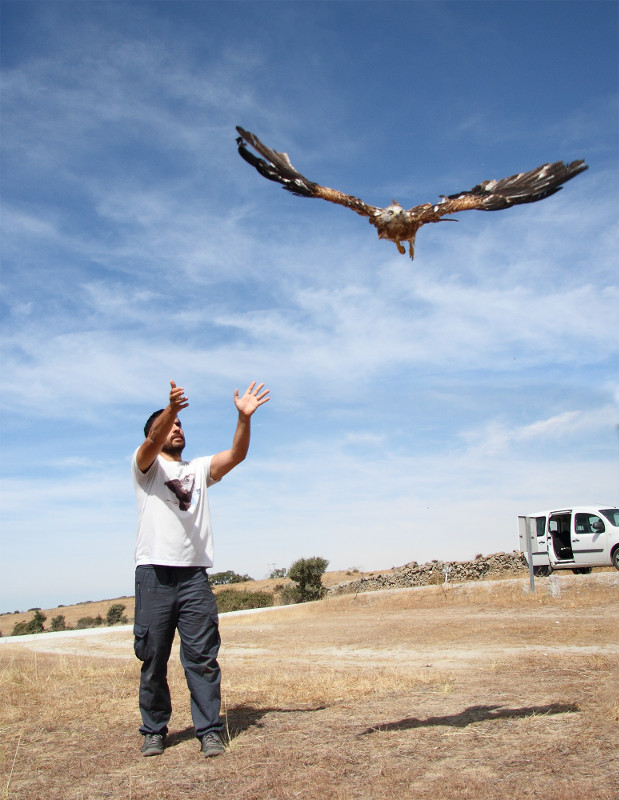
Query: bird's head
(391, 213)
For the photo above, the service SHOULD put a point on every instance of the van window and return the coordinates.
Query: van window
(584, 523)
(540, 525)
(560, 523)
(612, 515)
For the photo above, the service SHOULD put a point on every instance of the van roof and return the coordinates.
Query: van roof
(586, 508)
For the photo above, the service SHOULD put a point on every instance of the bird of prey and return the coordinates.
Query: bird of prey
(398, 224)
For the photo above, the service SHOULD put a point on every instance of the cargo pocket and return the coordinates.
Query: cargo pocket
(140, 633)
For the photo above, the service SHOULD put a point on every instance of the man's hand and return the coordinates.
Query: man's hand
(253, 397)
(178, 401)
(223, 462)
(152, 446)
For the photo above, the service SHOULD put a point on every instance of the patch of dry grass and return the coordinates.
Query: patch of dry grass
(431, 693)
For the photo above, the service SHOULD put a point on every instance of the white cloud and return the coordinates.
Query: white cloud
(319, 334)
(496, 437)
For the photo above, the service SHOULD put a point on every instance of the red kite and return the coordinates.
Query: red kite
(396, 223)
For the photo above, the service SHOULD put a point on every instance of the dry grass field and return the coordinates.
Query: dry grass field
(477, 690)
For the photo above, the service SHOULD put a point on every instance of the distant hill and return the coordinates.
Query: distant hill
(73, 613)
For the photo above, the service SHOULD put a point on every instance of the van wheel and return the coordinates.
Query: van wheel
(582, 570)
(616, 558)
(543, 572)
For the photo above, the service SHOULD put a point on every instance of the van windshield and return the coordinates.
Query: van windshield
(612, 515)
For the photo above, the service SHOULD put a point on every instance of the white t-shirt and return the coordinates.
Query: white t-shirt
(174, 521)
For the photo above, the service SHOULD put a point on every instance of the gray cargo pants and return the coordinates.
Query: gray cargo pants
(167, 599)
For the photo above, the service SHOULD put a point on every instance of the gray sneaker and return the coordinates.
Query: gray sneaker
(152, 745)
(212, 745)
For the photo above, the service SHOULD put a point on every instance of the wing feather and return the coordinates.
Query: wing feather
(277, 167)
(525, 187)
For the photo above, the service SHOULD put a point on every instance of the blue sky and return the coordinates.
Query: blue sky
(417, 407)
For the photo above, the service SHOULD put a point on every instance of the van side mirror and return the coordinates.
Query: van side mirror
(598, 526)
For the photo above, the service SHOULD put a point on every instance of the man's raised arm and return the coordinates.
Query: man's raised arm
(223, 462)
(161, 428)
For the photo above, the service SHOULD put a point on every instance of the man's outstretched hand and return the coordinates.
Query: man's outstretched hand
(178, 400)
(254, 396)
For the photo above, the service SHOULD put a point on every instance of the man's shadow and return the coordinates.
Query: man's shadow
(472, 715)
(238, 719)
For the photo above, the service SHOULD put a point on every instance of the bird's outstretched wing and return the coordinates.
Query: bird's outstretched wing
(277, 167)
(525, 187)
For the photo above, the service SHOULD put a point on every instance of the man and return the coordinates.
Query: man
(174, 548)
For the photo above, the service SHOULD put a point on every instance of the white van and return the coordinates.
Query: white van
(577, 538)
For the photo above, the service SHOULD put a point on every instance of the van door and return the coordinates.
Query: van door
(589, 540)
(560, 538)
(535, 528)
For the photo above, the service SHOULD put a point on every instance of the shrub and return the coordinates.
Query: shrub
(222, 578)
(290, 594)
(115, 614)
(58, 623)
(20, 628)
(234, 600)
(89, 622)
(35, 625)
(307, 573)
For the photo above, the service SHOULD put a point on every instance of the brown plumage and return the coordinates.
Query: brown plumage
(398, 224)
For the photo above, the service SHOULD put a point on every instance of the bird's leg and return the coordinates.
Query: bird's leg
(411, 248)
(401, 248)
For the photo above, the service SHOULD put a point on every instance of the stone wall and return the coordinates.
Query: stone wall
(435, 572)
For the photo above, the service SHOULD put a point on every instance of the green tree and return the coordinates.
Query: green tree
(307, 574)
(115, 614)
(279, 572)
(36, 623)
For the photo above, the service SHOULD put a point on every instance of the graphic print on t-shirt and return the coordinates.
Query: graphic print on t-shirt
(182, 490)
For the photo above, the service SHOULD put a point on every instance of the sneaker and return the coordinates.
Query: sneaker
(212, 745)
(153, 744)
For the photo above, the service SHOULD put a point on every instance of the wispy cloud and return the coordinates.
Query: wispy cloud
(317, 332)
(497, 437)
